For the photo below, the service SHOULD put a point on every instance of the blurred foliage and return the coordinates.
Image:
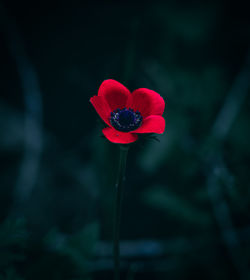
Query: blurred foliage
(62, 257)
(164, 200)
(13, 237)
(78, 247)
(189, 191)
(10, 275)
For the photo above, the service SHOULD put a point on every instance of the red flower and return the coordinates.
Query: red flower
(128, 114)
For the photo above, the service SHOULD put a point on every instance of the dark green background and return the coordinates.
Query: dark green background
(187, 197)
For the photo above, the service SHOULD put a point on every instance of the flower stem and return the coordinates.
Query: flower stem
(117, 210)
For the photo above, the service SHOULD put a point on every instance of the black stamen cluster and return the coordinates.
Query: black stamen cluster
(125, 119)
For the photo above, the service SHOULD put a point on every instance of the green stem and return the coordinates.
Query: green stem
(117, 210)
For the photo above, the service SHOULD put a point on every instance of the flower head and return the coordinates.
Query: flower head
(128, 114)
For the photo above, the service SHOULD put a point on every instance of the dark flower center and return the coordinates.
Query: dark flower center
(125, 119)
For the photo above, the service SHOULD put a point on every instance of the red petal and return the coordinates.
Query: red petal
(147, 102)
(152, 124)
(115, 94)
(116, 136)
(102, 108)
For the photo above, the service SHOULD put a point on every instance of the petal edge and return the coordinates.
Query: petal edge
(152, 124)
(101, 107)
(119, 137)
(115, 94)
(147, 102)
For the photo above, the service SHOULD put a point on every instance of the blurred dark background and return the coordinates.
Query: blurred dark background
(187, 197)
